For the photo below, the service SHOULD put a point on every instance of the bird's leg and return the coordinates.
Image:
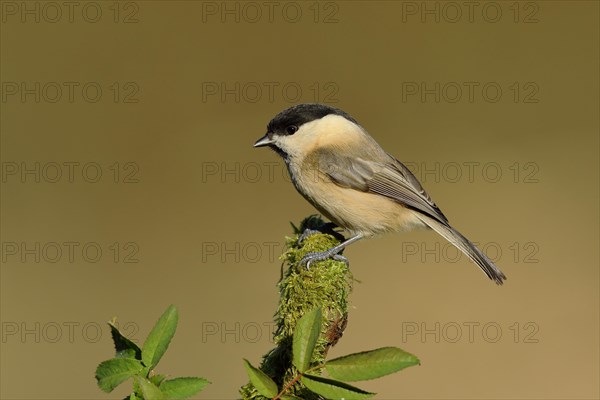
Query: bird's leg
(331, 253)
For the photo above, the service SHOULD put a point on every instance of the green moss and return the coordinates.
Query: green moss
(326, 284)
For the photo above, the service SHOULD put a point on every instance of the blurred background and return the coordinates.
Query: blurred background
(129, 183)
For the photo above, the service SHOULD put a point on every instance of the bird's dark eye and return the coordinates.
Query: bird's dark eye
(291, 129)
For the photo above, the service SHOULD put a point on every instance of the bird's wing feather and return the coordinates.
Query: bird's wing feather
(389, 178)
(394, 180)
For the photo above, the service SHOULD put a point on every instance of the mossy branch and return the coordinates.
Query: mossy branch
(327, 284)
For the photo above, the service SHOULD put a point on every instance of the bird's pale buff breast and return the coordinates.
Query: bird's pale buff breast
(354, 210)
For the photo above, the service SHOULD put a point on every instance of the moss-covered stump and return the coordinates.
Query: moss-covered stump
(326, 284)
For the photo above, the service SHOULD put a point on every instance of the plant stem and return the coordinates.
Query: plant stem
(288, 386)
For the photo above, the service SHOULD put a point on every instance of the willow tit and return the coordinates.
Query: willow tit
(340, 169)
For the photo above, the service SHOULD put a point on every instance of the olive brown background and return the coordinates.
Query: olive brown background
(129, 183)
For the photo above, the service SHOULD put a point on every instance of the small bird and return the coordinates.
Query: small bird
(344, 173)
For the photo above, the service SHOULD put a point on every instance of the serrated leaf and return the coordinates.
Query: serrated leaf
(113, 372)
(334, 390)
(307, 332)
(159, 338)
(261, 381)
(149, 390)
(124, 347)
(182, 388)
(370, 364)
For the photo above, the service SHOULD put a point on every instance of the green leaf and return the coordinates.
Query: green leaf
(334, 390)
(159, 338)
(289, 397)
(132, 397)
(149, 390)
(370, 364)
(261, 381)
(157, 379)
(128, 353)
(182, 388)
(307, 332)
(113, 372)
(137, 390)
(124, 347)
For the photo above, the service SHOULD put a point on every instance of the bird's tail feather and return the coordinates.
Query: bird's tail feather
(468, 248)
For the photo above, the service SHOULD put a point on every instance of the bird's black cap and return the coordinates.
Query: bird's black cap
(301, 114)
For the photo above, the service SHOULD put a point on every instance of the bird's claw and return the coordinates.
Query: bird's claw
(339, 257)
(310, 257)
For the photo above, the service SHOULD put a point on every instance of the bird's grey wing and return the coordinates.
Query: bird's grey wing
(392, 179)
(389, 178)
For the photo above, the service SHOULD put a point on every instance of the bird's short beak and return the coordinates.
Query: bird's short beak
(263, 141)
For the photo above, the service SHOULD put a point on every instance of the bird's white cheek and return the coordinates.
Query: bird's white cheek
(281, 143)
(286, 144)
